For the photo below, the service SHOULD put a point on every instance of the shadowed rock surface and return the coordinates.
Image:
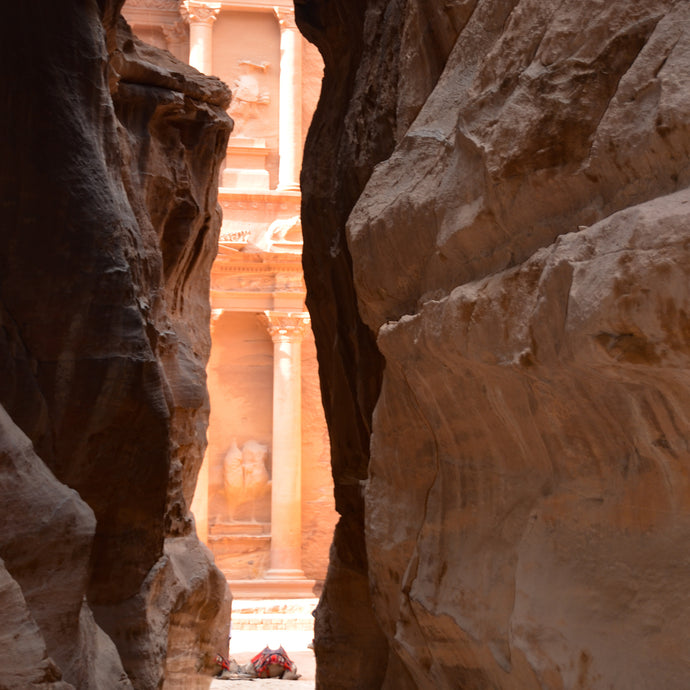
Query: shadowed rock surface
(108, 188)
(495, 212)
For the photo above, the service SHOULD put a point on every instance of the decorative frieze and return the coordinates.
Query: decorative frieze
(233, 261)
(260, 206)
(259, 283)
(236, 236)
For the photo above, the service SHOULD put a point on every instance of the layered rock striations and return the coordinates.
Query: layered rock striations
(504, 186)
(109, 227)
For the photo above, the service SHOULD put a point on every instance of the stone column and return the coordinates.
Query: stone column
(200, 16)
(286, 332)
(290, 127)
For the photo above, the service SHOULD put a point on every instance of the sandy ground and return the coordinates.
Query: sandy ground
(247, 643)
(265, 683)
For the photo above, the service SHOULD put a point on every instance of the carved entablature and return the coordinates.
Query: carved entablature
(259, 283)
(236, 271)
(265, 202)
(151, 14)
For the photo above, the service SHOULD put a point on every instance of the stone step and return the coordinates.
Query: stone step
(243, 529)
(276, 614)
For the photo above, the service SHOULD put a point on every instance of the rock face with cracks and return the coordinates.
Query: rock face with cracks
(497, 219)
(109, 218)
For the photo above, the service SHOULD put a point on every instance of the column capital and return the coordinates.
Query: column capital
(286, 17)
(286, 326)
(199, 12)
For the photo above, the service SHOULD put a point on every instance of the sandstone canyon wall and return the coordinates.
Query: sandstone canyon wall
(496, 212)
(110, 155)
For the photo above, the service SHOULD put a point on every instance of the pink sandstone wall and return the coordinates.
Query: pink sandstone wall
(253, 37)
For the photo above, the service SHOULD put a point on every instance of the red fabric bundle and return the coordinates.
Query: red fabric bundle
(272, 663)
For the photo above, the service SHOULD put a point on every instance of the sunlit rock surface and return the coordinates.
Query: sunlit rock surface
(108, 183)
(503, 186)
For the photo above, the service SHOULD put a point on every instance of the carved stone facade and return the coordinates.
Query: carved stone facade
(264, 500)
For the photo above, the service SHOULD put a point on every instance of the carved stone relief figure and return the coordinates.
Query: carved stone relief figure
(248, 97)
(246, 479)
(233, 477)
(285, 231)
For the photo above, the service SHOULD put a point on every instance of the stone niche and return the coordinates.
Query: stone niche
(495, 216)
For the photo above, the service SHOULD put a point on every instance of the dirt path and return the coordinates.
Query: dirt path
(265, 683)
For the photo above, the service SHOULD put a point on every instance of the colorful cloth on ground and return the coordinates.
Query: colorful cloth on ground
(267, 661)
(222, 662)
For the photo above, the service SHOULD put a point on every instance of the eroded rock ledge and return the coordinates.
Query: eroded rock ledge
(109, 227)
(499, 191)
